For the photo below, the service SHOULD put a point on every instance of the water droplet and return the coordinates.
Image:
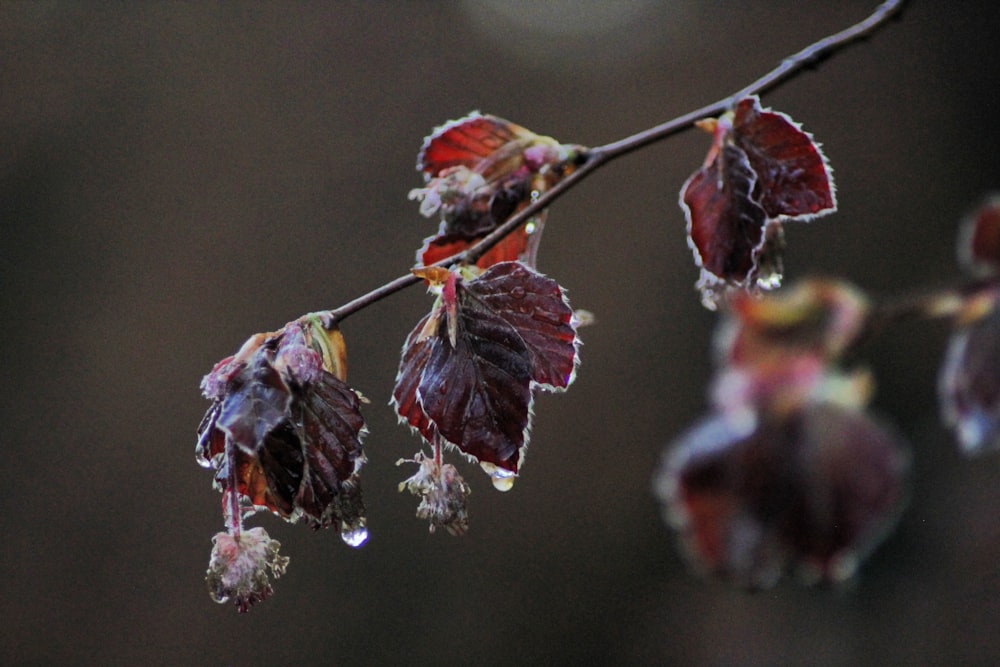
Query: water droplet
(354, 536)
(844, 566)
(974, 431)
(535, 194)
(530, 227)
(769, 281)
(503, 480)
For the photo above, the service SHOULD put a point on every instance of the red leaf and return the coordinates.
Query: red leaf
(416, 352)
(761, 170)
(812, 490)
(519, 246)
(536, 307)
(331, 427)
(467, 142)
(793, 178)
(480, 170)
(477, 393)
(469, 368)
(292, 427)
(726, 226)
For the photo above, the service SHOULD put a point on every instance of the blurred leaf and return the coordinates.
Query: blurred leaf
(813, 317)
(812, 491)
(969, 384)
(979, 239)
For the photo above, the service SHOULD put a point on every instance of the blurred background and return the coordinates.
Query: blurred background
(177, 176)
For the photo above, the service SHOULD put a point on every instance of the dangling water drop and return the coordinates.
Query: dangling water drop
(354, 536)
(503, 480)
(769, 281)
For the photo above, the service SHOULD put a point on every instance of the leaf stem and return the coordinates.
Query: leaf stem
(231, 498)
(597, 157)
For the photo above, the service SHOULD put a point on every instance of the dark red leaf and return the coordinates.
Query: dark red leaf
(292, 427)
(478, 393)
(761, 170)
(480, 170)
(243, 417)
(813, 490)
(726, 226)
(256, 403)
(416, 352)
(793, 178)
(469, 368)
(536, 307)
(331, 426)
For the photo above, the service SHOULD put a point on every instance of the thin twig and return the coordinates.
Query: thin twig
(601, 155)
(971, 299)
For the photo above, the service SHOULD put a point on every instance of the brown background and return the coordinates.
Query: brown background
(175, 177)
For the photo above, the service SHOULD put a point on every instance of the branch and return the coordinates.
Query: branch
(943, 303)
(597, 157)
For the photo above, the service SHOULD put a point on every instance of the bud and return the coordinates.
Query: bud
(241, 567)
(442, 493)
